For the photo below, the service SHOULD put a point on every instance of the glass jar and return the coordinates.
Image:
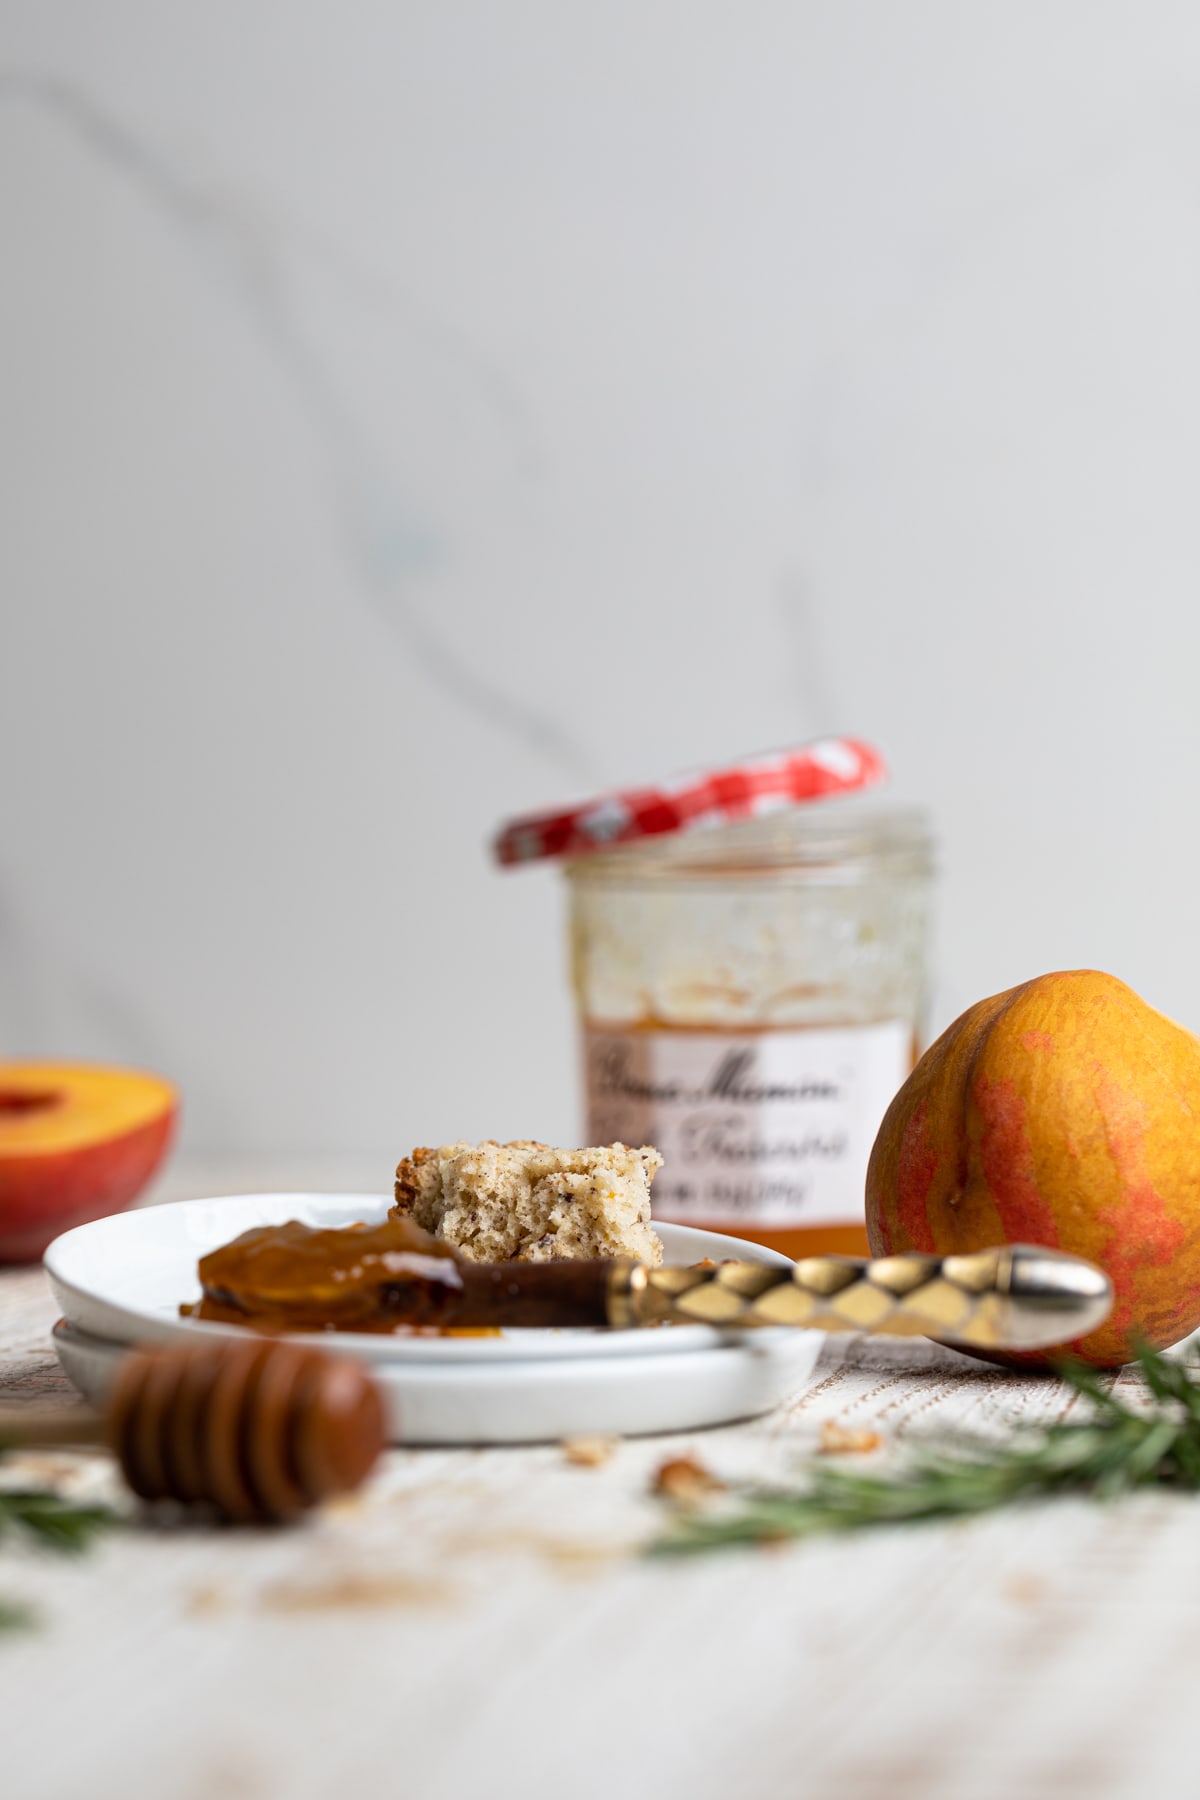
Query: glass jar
(750, 997)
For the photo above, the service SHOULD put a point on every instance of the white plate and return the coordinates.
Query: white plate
(536, 1402)
(120, 1281)
(124, 1278)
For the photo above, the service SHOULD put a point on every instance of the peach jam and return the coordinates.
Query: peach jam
(751, 996)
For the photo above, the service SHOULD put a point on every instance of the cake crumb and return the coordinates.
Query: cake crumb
(847, 1440)
(686, 1482)
(355, 1589)
(589, 1452)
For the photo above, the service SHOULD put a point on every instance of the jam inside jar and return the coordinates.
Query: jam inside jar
(750, 997)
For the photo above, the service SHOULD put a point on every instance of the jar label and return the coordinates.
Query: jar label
(758, 1128)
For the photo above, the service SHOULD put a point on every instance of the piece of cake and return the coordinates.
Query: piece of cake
(499, 1202)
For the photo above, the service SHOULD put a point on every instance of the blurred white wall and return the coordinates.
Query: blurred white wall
(413, 413)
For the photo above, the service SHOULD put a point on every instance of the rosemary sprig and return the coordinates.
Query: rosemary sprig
(52, 1521)
(1111, 1453)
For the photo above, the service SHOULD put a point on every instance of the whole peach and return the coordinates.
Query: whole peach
(1063, 1112)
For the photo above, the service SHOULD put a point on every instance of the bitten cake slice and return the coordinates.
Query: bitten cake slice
(499, 1202)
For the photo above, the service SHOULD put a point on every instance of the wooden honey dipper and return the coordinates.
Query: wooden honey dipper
(258, 1431)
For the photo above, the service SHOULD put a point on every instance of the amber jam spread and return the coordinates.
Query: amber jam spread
(387, 1277)
(383, 1278)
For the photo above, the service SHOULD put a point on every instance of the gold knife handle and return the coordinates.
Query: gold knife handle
(1015, 1297)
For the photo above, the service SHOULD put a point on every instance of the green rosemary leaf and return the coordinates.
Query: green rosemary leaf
(1161, 1377)
(1086, 1381)
(1186, 1452)
(58, 1523)
(1115, 1451)
(1169, 1379)
(54, 1522)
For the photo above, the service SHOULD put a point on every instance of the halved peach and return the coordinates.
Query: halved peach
(77, 1141)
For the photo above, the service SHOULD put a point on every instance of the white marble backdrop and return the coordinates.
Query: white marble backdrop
(414, 412)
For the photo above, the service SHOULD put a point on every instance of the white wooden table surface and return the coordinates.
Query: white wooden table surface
(482, 1625)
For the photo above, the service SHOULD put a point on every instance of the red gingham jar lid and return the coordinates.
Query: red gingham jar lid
(694, 802)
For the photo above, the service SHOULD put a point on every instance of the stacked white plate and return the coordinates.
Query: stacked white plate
(121, 1281)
